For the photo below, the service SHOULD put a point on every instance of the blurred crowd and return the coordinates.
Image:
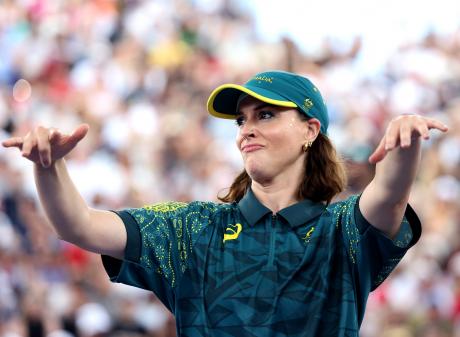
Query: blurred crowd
(139, 73)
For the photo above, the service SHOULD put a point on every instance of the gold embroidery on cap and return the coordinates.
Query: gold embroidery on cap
(308, 104)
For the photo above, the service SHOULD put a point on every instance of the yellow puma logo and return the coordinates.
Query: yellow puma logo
(232, 232)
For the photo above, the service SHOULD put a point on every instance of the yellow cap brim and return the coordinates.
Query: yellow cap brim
(229, 93)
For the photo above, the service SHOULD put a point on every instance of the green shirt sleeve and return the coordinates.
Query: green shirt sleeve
(373, 255)
(160, 241)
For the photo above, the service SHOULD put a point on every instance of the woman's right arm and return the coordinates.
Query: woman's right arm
(98, 231)
(102, 232)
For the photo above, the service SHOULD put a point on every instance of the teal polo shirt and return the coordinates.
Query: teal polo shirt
(239, 270)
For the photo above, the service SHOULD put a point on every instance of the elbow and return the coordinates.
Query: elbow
(76, 237)
(74, 231)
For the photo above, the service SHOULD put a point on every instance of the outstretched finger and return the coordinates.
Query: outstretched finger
(405, 132)
(13, 142)
(392, 136)
(29, 142)
(435, 124)
(43, 145)
(423, 131)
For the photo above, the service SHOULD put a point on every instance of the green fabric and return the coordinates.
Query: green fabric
(279, 86)
(239, 270)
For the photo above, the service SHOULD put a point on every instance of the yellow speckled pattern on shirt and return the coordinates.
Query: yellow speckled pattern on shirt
(343, 215)
(167, 231)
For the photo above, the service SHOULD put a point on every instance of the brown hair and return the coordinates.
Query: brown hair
(325, 175)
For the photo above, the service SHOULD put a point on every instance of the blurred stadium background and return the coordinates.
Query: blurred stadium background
(139, 72)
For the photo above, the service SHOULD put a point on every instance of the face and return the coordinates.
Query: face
(270, 139)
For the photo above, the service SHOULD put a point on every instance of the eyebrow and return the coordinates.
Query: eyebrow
(260, 106)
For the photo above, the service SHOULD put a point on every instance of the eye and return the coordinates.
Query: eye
(239, 121)
(265, 114)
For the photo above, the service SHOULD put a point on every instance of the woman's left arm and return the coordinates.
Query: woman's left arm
(397, 157)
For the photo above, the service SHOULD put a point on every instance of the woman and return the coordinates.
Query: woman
(277, 258)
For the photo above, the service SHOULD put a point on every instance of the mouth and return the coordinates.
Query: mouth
(251, 148)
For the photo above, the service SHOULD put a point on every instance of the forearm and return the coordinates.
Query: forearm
(63, 205)
(384, 200)
(395, 174)
(99, 231)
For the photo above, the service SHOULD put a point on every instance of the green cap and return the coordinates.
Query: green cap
(274, 87)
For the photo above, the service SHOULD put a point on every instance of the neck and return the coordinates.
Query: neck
(275, 195)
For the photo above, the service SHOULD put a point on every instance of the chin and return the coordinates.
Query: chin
(258, 173)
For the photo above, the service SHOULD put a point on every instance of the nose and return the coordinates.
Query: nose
(247, 131)
(249, 126)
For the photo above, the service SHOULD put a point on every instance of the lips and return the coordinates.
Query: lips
(251, 147)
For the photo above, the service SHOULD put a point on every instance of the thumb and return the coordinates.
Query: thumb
(56, 137)
(79, 133)
(379, 153)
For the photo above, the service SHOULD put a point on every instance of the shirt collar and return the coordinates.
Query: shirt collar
(300, 213)
(251, 208)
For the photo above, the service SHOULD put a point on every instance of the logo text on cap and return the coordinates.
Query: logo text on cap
(264, 78)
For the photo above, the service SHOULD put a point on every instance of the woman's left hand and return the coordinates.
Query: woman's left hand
(401, 131)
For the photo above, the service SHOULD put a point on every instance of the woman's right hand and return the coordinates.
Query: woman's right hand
(44, 146)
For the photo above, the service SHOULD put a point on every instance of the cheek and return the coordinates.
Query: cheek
(238, 140)
(290, 136)
(291, 124)
(294, 125)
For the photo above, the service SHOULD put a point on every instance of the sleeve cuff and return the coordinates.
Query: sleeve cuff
(133, 243)
(133, 246)
(409, 216)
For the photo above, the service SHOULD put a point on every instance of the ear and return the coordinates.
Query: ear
(312, 129)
